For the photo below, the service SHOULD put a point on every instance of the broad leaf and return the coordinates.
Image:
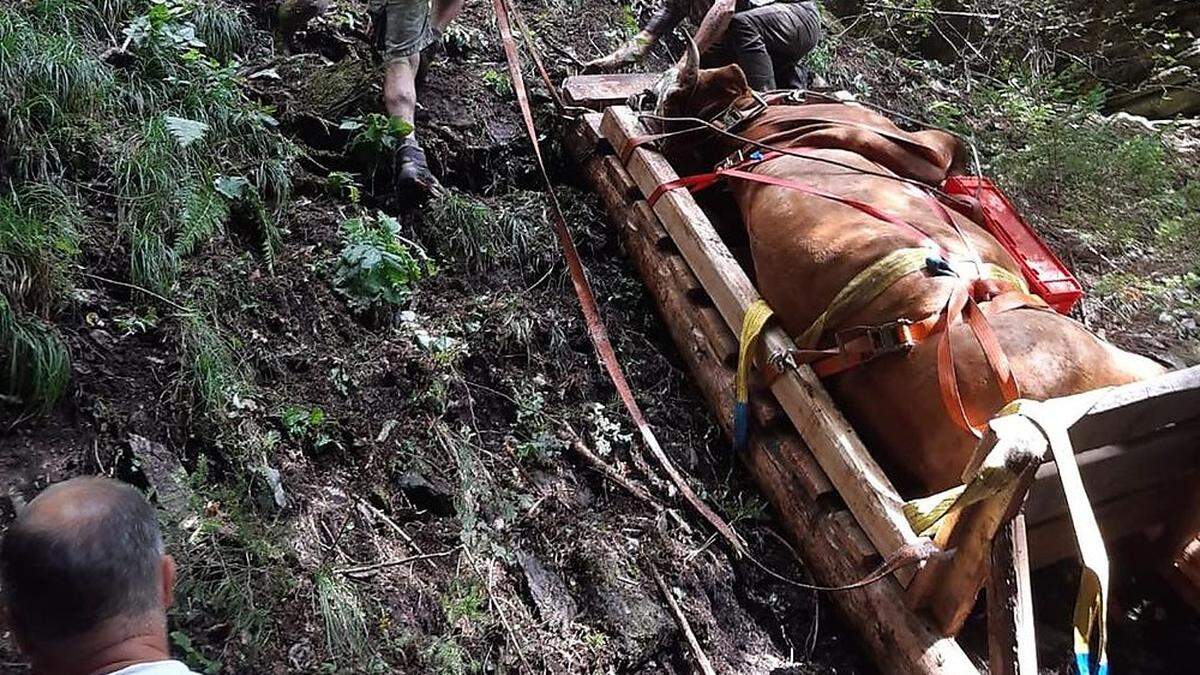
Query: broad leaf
(184, 130)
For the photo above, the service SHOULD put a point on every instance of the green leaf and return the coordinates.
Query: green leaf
(233, 187)
(399, 128)
(185, 131)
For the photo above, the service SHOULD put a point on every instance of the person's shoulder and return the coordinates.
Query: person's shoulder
(157, 668)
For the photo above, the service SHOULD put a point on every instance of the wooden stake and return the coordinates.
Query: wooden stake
(1012, 644)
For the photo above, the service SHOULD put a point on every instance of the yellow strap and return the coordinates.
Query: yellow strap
(757, 315)
(867, 285)
(1091, 603)
(1053, 419)
(991, 271)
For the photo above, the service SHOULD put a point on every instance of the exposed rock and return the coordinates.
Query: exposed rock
(166, 475)
(554, 603)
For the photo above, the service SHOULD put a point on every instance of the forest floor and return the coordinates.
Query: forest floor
(352, 485)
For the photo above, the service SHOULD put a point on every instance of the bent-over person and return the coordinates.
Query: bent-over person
(767, 38)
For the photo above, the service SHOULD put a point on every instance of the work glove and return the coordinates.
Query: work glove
(630, 52)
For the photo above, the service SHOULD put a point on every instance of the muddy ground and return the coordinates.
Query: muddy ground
(434, 519)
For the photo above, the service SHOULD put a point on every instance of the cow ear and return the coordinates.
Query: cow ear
(689, 73)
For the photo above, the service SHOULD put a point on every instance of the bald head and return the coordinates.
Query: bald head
(84, 551)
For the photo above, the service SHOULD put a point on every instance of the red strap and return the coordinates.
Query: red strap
(806, 189)
(696, 183)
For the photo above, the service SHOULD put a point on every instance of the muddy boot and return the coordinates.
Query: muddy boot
(414, 176)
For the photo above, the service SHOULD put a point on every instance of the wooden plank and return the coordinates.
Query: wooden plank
(1114, 470)
(1139, 408)
(860, 481)
(600, 91)
(948, 587)
(1054, 540)
(1012, 641)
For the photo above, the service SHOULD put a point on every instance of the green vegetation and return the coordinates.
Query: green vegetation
(499, 82)
(377, 265)
(1116, 185)
(376, 133)
(163, 148)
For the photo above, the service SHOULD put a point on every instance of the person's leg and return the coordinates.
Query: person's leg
(769, 40)
(444, 12)
(750, 50)
(407, 30)
(400, 87)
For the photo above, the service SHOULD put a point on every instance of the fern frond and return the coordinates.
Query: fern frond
(202, 216)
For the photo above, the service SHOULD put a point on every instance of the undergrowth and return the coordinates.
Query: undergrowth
(156, 140)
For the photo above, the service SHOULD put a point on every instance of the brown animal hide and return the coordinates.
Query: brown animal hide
(807, 248)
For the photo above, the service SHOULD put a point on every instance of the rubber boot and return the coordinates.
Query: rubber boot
(414, 174)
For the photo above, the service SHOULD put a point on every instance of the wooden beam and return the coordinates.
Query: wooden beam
(860, 481)
(1012, 642)
(948, 587)
(1139, 408)
(600, 91)
(1123, 468)
(1054, 540)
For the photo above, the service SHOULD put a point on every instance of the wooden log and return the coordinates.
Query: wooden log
(1012, 642)
(1123, 468)
(669, 287)
(860, 481)
(600, 91)
(1139, 408)
(948, 587)
(899, 640)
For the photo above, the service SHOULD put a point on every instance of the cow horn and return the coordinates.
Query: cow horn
(689, 74)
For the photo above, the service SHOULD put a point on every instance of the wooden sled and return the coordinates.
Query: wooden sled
(1138, 449)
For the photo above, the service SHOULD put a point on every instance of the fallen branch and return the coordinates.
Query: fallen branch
(139, 289)
(371, 508)
(375, 567)
(610, 472)
(934, 11)
(702, 661)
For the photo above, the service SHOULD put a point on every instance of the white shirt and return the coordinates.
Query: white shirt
(157, 668)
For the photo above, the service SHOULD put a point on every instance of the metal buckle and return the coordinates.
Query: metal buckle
(890, 338)
(737, 158)
(730, 118)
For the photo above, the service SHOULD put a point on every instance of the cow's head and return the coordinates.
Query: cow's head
(686, 91)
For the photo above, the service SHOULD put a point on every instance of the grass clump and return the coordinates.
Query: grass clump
(342, 616)
(484, 237)
(37, 242)
(209, 366)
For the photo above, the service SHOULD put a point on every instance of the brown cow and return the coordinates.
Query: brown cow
(806, 248)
